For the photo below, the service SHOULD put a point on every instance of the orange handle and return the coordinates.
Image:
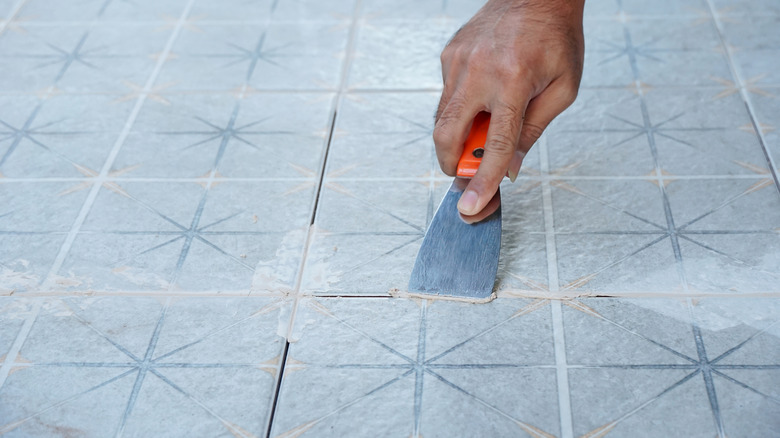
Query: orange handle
(474, 147)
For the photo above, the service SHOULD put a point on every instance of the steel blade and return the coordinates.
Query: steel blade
(458, 259)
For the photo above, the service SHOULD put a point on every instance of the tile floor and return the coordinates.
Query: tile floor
(204, 208)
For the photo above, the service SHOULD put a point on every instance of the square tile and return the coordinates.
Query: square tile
(103, 353)
(179, 237)
(25, 260)
(299, 55)
(38, 206)
(381, 10)
(259, 136)
(388, 354)
(80, 59)
(400, 55)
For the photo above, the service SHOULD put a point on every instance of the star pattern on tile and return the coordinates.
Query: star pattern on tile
(416, 369)
(153, 363)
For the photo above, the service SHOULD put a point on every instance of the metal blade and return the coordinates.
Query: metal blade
(458, 259)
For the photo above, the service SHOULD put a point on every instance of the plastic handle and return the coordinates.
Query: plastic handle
(474, 147)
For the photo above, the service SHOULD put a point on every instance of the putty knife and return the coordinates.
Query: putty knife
(457, 259)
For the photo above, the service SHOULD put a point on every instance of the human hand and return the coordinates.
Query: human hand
(521, 61)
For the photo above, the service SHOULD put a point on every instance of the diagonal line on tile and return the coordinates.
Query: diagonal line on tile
(742, 344)
(528, 428)
(776, 400)
(11, 426)
(730, 257)
(292, 433)
(533, 306)
(108, 164)
(609, 426)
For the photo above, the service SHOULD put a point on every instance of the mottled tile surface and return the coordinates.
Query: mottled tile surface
(206, 206)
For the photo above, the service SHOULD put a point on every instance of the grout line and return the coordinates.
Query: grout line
(21, 338)
(345, 68)
(101, 178)
(277, 388)
(744, 93)
(562, 372)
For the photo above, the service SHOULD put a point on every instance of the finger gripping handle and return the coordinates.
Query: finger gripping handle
(474, 147)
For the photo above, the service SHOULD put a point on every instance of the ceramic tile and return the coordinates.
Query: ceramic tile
(255, 174)
(654, 360)
(140, 358)
(461, 10)
(79, 10)
(64, 136)
(177, 236)
(387, 355)
(400, 55)
(80, 59)
(258, 136)
(38, 206)
(25, 260)
(273, 10)
(272, 56)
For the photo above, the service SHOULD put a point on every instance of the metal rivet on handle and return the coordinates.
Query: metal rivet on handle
(479, 152)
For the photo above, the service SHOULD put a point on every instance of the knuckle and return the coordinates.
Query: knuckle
(532, 131)
(501, 144)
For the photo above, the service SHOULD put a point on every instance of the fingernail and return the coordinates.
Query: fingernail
(468, 202)
(514, 165)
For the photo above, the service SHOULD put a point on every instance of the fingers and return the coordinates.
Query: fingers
(453, 122)
(540, 112)
(503, 134)
(491, 206)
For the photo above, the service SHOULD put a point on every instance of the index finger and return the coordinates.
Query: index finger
(503, 135)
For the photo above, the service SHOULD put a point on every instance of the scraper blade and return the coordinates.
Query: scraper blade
(457, 259)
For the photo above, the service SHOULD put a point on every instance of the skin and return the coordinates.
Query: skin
(521, 61)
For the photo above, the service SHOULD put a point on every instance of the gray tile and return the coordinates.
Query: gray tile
(262, 135)
(200, 374)
(65, 135)
(725, 204)
(666, 8)
(632, 366)
(400, 55)
(754, 32)
(617, 263)
(80, 59)
(573, 153)
(607, 205)
(602, 110)
(711, 152)
(182, 234)
(380, 10)
(83, 10)
(38, 206)
(276, 11)
(369, 364)
(732, 262)
(767, 112)
(300, 55)
(13, 313)
(25, 260)
(758, 68)
(729, 8)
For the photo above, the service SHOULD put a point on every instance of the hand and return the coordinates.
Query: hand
(521, 61)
